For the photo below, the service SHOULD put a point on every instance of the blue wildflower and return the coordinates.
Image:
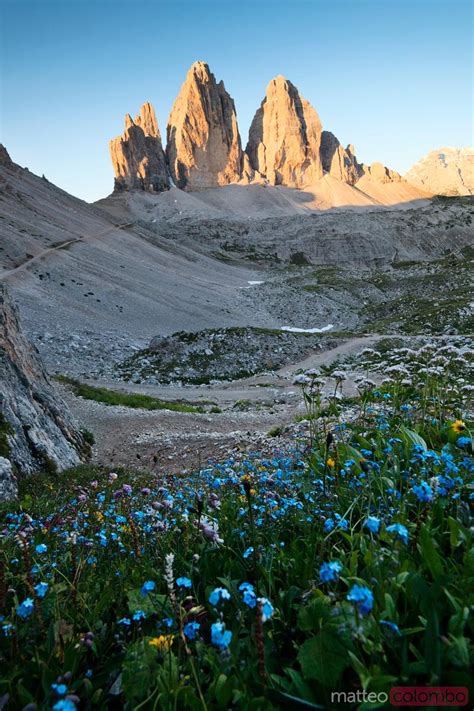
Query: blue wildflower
(267, 608)
(41, 548)
(219, 594)
(190, 629)
(60, 689)
(148, 586)
(329, 572)
(248, 594)
(362, 597)
(248, 552)
(399, 530)
(220, 636)
(139, 615)
(26, 608)
(423, 491)
(463, 442)
(41, 589)
(329, 524)
(125, 621)
(64, 705)
(372, 523)
(183, 582)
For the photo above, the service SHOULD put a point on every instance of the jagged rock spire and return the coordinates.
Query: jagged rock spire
(137, 155)
(204, 148)
(285, 136)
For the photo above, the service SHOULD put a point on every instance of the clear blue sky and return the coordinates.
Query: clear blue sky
(394, 77)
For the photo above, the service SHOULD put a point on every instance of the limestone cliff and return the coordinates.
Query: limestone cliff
(285, 137)
(137, 155)
(204, 148)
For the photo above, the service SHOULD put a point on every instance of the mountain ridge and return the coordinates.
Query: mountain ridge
(286, 145)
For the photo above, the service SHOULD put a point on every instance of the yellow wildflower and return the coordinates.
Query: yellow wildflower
(331, 462)
(458, 426)
(162, 643)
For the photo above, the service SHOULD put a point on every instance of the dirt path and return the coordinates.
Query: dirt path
(175, 441)
(162, 440)
(57, 247)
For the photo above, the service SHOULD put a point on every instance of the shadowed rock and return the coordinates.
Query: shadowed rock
(37, 432)
(204, 148)
(137, 155)
(339, 162)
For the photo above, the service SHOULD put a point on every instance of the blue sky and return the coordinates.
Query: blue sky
(394, 77)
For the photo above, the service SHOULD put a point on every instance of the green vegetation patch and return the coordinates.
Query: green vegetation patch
(134, 400)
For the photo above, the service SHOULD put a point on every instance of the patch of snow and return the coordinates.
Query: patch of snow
(254, 283)
(293, 329)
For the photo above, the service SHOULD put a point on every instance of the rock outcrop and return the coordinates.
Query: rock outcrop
(380, 173)
(339, 162)
(137, 155)
(5, 157)
(445, 171)
(36, 429)
(204, 148)
(285, 137)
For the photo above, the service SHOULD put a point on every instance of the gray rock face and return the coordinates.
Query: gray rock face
(36, 430)
(137, 155)
(5, 157)
(8, 483)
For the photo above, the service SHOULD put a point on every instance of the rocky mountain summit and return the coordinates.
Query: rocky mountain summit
(445, 171)
(204, 148)
(137, 155)
(285, 137)
(286, 145)
(36, 429)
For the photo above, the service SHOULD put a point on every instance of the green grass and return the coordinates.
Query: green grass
(133, 400)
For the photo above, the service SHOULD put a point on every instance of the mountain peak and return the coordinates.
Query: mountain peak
(445, 171)
(285, 137)
(137, 155)
(204, 148)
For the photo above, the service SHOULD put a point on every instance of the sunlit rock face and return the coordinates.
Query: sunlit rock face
(137, 155)
(445, 171)
(204, 148)
(285, 137)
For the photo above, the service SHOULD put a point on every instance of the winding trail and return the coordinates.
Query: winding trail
(59, 246)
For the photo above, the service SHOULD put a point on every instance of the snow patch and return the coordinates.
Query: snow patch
(293, 329)
(254, 283)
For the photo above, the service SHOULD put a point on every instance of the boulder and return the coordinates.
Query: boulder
(137, 155)
(204, 148)
(37, 432)
(285, 137)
